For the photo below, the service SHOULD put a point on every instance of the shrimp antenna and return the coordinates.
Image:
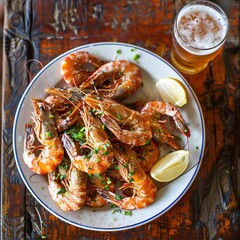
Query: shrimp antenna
(186, 144)
(30, 77)
(45, 77)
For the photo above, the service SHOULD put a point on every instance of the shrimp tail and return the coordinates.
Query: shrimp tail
(109, 196)
(181, 125)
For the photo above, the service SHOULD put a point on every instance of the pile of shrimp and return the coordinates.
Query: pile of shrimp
(86, 140)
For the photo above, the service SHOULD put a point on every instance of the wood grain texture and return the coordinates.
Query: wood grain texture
(44, 29)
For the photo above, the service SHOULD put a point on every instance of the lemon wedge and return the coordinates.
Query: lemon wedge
(170, 166)
(173, 91)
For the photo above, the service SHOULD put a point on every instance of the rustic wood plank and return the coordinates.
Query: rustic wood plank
(16, 53)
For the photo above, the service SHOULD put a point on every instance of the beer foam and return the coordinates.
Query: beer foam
(201, 27)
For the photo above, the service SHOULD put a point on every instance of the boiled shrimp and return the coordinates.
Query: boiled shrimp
(155, 109)
(78, 66)
(51, 149)
(100, 156)
(129, 126)
(144, 189)
(124, 77)
(67, 186)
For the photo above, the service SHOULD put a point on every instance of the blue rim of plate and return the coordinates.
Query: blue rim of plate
(197, 166)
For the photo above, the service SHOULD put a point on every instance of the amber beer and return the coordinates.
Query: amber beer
(199, 33)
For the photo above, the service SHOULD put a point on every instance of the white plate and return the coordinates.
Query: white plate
(153, 68)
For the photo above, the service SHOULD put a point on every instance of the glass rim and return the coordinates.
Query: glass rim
(204, 3)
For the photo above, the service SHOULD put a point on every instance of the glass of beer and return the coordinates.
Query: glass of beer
(199, 33)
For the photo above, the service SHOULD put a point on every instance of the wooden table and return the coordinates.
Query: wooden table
(44, 29)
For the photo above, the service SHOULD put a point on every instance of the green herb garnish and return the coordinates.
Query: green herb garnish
(62, 190)
(77, 133)
(62, 176)
(136, 57)
(147, 143)
(117, 210)
(103, 182)
(48, 134)
(118, 197)
(63, 165)
(130, 180)
(119, 117)
(128, 213)
(109, 181)
(96, 150)
(130, 173)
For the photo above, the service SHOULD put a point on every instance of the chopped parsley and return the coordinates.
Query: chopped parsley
(147, 143)
(62, 176)
(61, 191)
(136, 57)
(106, 153)
(128, 213)
(63, 165)
(106, 145)
(104, 182)
(109, 181)
(98, 175)
(130, 180)
(48, 134)
(118, 197)
(125, 165)
(89, 154)
(77, 133)
(96, 150)
(119, 117)
(130, 173)
(117, 210)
